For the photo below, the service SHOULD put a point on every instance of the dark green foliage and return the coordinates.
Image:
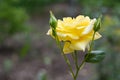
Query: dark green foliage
(37, 5)
(12, 19)
(25, 49)
(97, 7)
(94, 56)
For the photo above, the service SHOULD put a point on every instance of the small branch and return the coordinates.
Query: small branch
(65, 57)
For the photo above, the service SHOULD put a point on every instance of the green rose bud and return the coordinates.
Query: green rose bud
(53, 23)
(53, 20)
(97, 24)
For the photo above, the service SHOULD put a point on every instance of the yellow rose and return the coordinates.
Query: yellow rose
(75, 32)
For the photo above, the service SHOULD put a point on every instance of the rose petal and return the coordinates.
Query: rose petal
(97, 36)
(81, 45)
(72, 36)
(49, 32)
(90, 27)
(67, 48)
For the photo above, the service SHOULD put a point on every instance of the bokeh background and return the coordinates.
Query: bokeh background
(27, 53)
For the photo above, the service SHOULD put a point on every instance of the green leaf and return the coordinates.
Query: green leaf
(94, 56)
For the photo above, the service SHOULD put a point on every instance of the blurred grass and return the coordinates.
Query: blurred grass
(12, 19)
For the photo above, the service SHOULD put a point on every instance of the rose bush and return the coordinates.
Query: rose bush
(76, 33)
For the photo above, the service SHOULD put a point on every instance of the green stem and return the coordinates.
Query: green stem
(79, 68)
(65, 57)
(76, 59)
(91, 44)
(73, 56)
(83, 62)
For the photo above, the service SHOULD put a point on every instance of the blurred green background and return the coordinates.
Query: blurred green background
(27, 53)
